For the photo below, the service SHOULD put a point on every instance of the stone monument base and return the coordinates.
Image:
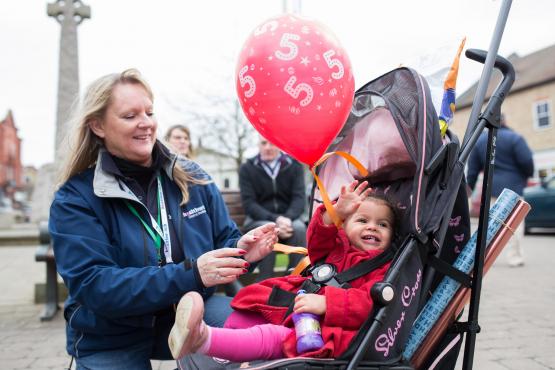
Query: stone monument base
(43, 193)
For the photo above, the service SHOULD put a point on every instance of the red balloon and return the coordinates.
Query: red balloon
(295, 85)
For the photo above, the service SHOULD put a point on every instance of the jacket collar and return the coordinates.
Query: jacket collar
(284, 159)
(106, 182)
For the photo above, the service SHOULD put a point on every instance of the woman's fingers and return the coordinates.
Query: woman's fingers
(259, 242)
(260, 233)
(231, 272)
(216, 278)
(227, 252)
(215, 268)
(229, 262)
(264, 229)
(221, 258)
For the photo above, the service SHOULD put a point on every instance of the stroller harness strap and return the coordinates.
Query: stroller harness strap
(365, 267)
(450, 271)
(324, 274)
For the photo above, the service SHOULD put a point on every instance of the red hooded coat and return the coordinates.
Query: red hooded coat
(347, 309)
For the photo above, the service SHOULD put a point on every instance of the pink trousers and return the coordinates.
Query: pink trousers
(246, 336)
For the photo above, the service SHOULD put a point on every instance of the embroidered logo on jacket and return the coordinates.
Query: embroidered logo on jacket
(194, 212)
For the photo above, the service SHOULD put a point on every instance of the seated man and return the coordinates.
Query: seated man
(272, 189)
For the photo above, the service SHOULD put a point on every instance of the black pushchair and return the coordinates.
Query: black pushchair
(425, 174)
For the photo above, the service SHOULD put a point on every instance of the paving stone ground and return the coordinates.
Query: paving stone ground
(516, 314)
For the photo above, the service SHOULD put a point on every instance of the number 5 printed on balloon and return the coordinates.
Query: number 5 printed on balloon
(286, 42)
(334, 63)
(244, 80)
(296, 91)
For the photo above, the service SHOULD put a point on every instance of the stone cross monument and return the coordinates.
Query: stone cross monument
(69, 13)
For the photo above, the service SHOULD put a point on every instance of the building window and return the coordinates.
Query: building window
(226, 183)
(542, 114)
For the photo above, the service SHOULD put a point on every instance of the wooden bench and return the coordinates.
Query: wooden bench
(232, 199)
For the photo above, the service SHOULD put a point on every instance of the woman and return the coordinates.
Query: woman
(179, 139)
(135, 227)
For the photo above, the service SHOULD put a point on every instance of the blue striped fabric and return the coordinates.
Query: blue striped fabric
(445, 291)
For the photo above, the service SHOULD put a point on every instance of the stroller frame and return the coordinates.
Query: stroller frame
(490, 119)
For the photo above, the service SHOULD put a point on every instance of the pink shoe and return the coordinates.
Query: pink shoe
(189, 332)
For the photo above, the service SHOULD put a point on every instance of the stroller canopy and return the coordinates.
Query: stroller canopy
(393, 131)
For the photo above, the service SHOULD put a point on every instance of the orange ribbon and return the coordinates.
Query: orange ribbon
(325, 197)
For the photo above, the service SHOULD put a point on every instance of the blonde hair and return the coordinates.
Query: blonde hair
(85, 145)
(186, 130)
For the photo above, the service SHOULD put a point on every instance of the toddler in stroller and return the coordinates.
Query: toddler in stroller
(393, 131)
(261, 327)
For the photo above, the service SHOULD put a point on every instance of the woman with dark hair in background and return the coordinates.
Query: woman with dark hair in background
(179, 139)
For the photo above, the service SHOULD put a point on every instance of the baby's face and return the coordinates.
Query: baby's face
(371, 226)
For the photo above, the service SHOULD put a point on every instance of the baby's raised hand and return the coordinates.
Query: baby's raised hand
(350, 198)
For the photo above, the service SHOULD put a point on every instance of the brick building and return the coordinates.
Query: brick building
(528, 107)
(11, 171)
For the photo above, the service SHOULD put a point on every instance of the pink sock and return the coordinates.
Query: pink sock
(260, 342)
(244, 319)
(206, 345)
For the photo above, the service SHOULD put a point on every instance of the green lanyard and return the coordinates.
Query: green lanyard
(154, 235)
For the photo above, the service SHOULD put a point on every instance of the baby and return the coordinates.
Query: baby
(259, 329)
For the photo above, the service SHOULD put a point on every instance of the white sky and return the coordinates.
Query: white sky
(183, 47)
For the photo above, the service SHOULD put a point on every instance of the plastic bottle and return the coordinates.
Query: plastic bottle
(307, 329)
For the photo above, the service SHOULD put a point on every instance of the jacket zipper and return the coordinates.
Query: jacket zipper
(77, 340)
(275, 195)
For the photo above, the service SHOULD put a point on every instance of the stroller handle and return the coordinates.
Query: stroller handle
(492, 111)
(502, 64)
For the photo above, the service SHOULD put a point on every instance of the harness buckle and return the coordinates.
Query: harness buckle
(324, 274)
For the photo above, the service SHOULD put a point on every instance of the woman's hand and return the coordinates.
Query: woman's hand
(312, 303)
(221, 266)
(259, 242)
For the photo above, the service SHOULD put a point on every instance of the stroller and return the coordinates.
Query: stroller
(412, 163)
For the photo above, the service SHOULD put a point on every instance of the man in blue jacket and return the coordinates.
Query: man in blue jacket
(513, 166)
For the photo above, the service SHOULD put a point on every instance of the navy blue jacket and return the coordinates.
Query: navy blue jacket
(513, 162)
(109, 262)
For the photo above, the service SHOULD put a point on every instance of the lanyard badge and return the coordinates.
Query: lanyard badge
(158, 234)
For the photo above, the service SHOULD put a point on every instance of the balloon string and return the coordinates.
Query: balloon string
(325, 197)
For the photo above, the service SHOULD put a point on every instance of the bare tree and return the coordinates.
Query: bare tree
(220, 124)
